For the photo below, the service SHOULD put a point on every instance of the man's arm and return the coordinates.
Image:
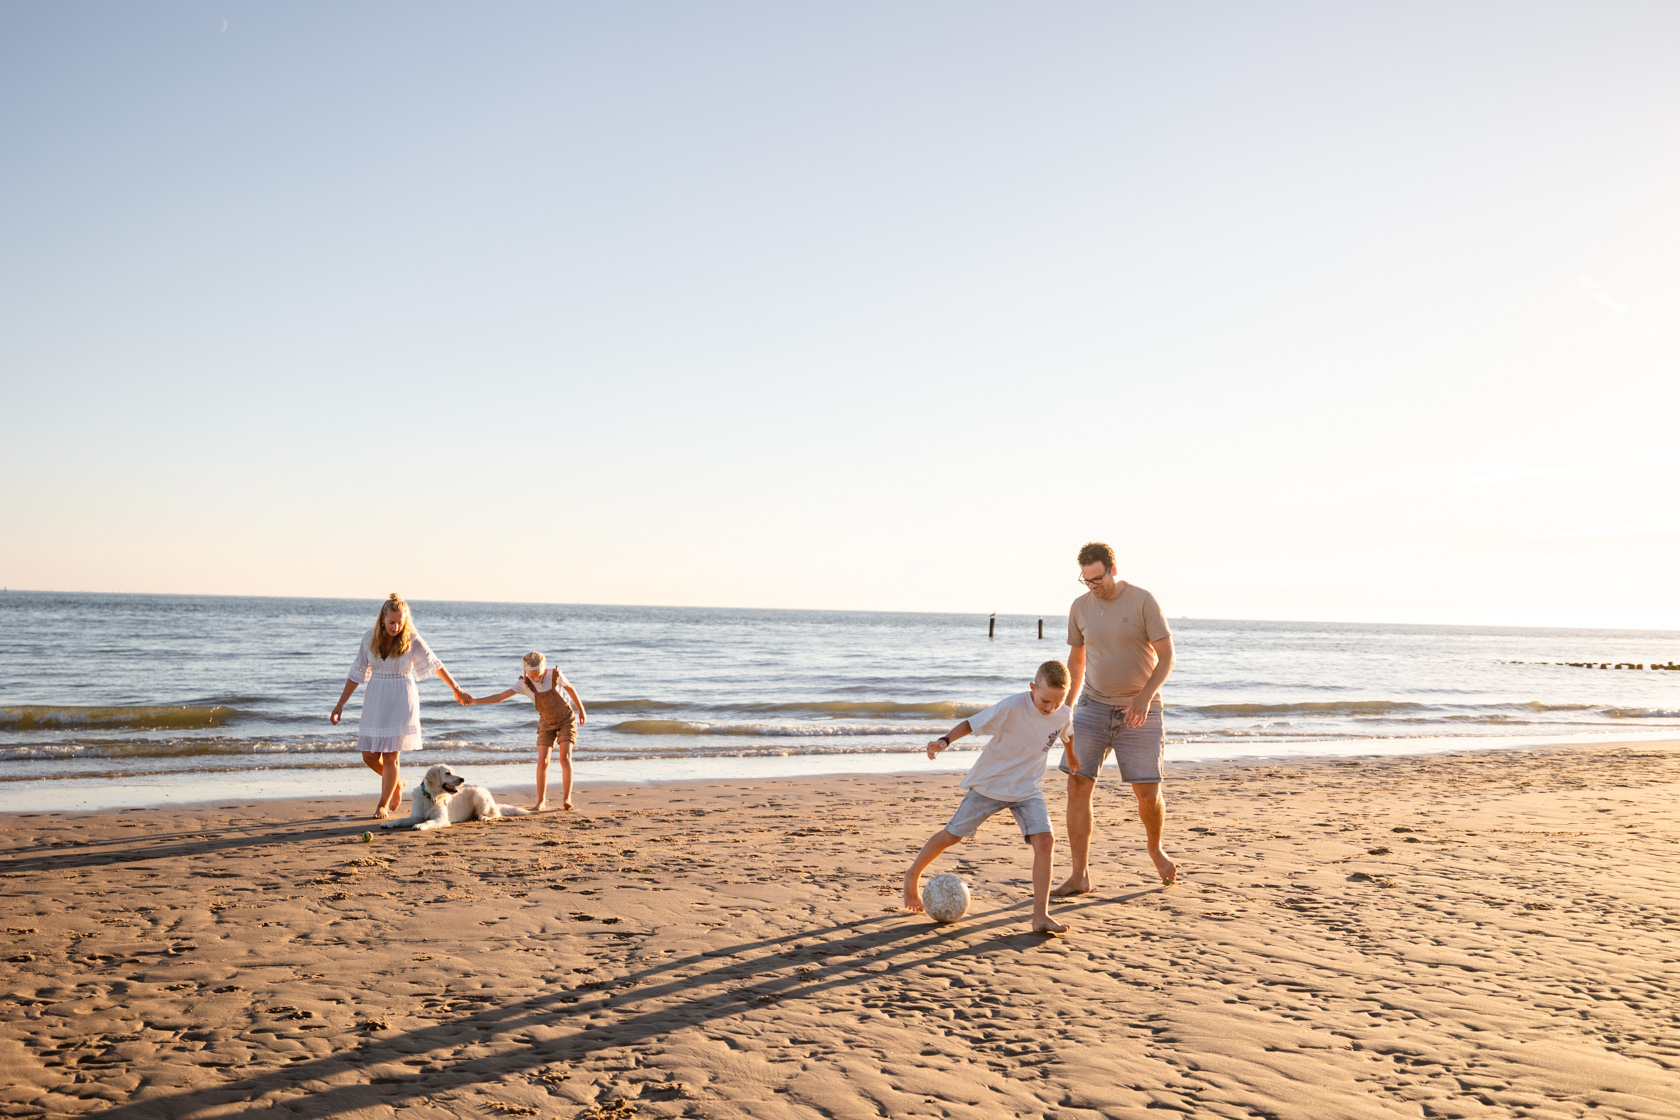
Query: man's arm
(1138, 710)
(1076, 671)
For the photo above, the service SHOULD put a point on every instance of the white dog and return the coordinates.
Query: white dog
(444, 798)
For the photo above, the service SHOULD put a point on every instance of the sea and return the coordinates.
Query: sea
(129, 700)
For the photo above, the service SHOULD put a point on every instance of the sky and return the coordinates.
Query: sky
(1313, 310)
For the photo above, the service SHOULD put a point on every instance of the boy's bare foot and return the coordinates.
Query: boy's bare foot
(1164, 866)
(912, 898)
(1048, 925)
(1072, 886)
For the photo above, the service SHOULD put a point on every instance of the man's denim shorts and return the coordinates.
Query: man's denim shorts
(1099, 728)
(1032, 814)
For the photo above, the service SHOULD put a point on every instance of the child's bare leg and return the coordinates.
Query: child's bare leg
(542, 779)
(566, 775)
(1044, 865)
(937, 843)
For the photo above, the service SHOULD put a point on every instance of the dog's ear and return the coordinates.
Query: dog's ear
(434, 781)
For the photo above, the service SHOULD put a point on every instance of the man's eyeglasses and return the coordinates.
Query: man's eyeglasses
(1092, 582)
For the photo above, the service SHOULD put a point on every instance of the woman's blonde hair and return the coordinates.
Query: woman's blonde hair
(385, 646)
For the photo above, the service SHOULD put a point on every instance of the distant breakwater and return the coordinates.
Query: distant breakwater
(1595, 664)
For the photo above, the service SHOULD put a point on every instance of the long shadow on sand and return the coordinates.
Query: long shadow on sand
(72, 854)
(832, 965)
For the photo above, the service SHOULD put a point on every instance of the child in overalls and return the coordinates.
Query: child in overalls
(556, 722)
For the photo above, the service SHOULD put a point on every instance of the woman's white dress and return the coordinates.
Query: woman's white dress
(391, 707)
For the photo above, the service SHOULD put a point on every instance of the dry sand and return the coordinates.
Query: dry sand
(1488, 934)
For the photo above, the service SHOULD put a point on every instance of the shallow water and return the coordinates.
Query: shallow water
(168, 693)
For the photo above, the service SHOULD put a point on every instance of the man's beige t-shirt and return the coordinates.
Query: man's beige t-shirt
(1116, 636)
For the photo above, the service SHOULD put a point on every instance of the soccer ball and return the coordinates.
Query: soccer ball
(945, 898)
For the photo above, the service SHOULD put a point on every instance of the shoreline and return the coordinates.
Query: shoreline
(1475, 934)
(177, 788)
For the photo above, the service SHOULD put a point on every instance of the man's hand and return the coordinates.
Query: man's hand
(1138, 710)
(935, 746)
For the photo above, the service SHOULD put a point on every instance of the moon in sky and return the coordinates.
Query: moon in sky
(224, 24)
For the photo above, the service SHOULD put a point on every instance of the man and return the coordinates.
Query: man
(1120, 653)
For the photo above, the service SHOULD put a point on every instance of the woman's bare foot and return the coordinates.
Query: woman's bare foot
(1164, 866)
(566, 805)
(539, 806)
(1045, 924)
(382, 813)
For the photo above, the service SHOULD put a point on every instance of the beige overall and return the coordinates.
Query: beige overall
(556, 722)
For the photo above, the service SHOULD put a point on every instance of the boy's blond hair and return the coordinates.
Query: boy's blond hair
(534, 660)
(1054, 674)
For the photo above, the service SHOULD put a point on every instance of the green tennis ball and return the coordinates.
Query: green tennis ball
(367, 837)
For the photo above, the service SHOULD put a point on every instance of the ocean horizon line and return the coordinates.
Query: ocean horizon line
(1059, 612)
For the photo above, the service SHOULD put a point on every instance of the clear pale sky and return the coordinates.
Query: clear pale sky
(1314, 311)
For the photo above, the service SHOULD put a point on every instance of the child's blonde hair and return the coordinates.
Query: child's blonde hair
(384, 645)
(1052, 674)
(534, 660)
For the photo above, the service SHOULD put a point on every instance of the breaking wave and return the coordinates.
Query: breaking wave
(937, 709)
(800, 730)
(1355, 709)
(136, 717)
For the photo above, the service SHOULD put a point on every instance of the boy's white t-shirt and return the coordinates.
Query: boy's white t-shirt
(1011, 766)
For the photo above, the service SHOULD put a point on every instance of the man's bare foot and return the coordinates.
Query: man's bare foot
(912, 897)
(1073, 886)
(1164, 866)
(1046, 924)
(539, 806)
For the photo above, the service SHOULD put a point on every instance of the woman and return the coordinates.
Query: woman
(392, 658)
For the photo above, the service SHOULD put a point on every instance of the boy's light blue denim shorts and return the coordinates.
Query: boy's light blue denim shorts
(1099, 728)
(1032, 814)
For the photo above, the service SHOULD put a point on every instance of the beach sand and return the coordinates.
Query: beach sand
(1482, 934)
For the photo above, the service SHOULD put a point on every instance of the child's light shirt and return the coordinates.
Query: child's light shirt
(1011, 766)
(545, 683)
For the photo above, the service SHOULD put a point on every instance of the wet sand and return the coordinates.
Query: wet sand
(1485, 934)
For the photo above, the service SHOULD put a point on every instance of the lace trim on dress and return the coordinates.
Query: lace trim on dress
(389, 744)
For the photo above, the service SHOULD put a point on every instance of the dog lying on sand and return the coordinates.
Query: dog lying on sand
(444, 798)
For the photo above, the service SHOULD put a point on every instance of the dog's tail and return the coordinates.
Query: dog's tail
(514, 810)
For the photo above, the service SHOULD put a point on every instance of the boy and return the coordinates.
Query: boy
(1009, 774)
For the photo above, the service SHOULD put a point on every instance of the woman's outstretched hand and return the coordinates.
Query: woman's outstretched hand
(463, 697)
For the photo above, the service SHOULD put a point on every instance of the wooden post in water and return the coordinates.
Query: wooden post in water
(991, 627)
(1041, 629)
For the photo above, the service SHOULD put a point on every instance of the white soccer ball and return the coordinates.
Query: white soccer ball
(945, 898)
